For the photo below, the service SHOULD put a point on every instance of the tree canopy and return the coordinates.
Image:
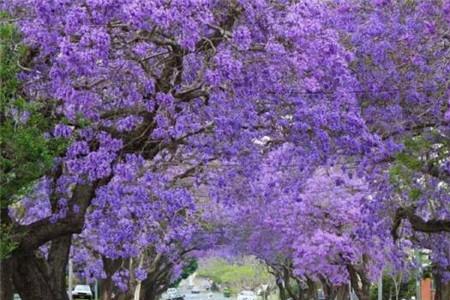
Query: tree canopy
(136, 135)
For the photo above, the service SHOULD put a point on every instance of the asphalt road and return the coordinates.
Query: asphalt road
(205, 296)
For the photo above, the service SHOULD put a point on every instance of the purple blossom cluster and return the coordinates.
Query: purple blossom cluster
(288, 114)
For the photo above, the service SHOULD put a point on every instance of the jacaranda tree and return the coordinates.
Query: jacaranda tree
(191, 80)
(258, 97)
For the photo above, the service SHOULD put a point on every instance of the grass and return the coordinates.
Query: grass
(235, 275)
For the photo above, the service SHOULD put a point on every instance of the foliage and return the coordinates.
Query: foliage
(407, 289)
(235, 276)
(26, 154)
(189, 268)
(6, 244)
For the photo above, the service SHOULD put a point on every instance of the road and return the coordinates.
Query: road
(200, 283)
(206, 296)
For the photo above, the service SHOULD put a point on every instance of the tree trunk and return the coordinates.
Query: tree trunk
(37, 278)
(311, 293)
(442, 288)
(342, 292)
(158, 279)
(149, 293)
(34, 277)
(110, 266)
(287, 285)
(58, 258)
(6, 283)
(360, 283)
(106, 289)
(282, 291)
(329, 289)
(31, 278)
(330, 292)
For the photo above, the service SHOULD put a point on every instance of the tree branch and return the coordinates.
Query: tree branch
(417, 222)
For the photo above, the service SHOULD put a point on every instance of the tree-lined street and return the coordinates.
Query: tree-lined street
(303, 144)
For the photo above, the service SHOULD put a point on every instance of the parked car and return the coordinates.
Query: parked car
(246, 295)
(174, 294)
(82, 291)
(17, 297)
(195, 290)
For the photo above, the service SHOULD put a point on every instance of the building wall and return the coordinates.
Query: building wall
(426, 288)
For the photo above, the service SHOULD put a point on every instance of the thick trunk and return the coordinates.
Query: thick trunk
(312, 290)
(360, 283)
(329, 290)
(158, 279)
(442, 288)
(150, 294)
(342, 293)
(149, 290)
(6, 283)
(58, 258)
(31, 278)
(34, 277)
(37, 278)
(106, 287)
(110, 266)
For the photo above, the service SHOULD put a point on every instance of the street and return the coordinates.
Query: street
(206, 296)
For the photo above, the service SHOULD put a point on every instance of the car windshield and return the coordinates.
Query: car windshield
(83, 288)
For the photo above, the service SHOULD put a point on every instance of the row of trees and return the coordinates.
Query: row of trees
(311, 134)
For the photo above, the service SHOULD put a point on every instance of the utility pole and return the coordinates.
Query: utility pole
(350, 289)
(380, 287)
(96, 289)
(419, 274)
(70, 278)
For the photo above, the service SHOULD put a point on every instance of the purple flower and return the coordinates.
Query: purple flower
(62, 131)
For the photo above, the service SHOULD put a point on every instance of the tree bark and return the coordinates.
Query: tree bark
(32, 279)
(6, 283)
(110, 266)
(342, 293)
(32, 236)
(157, 281)
(58, 258)
(329, 290)
(37, 278)
(359, 281)
(417, 222)
(106, 288)
(312, 290)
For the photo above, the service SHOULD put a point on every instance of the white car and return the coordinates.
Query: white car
(82, 291)
(173, 294)
(195, 290)
(246, 295)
